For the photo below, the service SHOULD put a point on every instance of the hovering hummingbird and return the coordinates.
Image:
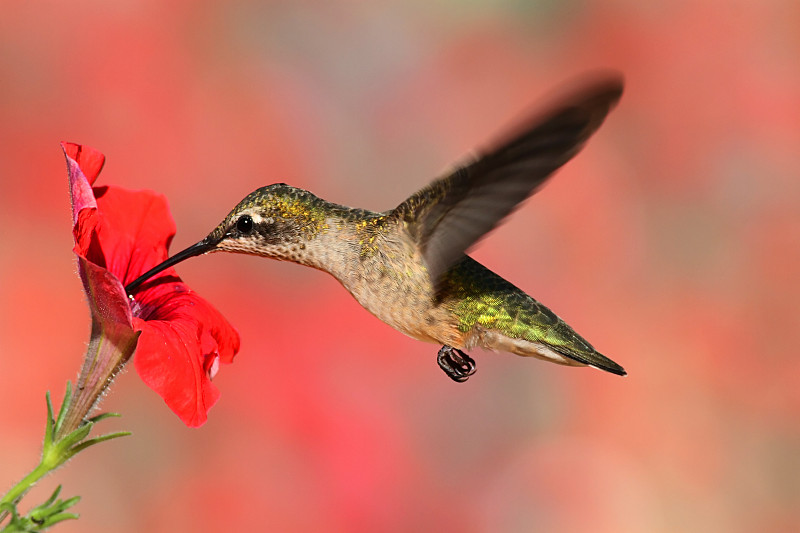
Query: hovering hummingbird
(408, 267)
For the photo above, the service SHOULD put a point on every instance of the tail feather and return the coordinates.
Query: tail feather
(567, 352)
(592, 358)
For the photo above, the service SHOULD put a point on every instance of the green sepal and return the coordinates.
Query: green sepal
(103, 416)
(54, 454)
(91, 442)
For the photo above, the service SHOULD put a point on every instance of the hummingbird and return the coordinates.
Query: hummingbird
(408, 266)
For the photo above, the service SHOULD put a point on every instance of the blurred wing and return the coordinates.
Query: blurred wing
(452, 213)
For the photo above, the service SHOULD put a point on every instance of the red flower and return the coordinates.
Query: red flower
(182, 339)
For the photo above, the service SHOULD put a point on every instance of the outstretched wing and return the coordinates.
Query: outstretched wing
(452, 213)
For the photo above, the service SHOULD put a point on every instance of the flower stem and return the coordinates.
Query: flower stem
(19, 490)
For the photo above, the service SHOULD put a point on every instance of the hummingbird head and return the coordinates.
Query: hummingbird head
(274, 221)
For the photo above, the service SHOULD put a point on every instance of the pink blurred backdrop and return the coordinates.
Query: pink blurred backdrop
(672, 243)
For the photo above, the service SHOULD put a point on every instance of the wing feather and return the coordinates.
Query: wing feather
(452, 213)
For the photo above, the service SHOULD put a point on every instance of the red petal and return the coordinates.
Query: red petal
(84, 206)
(134, 232)
(88, 159)
(181, 336)
(167, 363)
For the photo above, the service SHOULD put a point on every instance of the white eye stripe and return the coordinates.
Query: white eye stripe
(258, 219)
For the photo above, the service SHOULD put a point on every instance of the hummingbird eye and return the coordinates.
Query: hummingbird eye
(245, 224)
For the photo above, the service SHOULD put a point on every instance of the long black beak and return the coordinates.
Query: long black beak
(195, 249)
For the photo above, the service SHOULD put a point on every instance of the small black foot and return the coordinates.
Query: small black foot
(455, 363)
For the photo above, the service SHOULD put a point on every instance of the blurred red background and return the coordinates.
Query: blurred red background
(672, 243)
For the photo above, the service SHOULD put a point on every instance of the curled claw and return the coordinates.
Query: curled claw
(456, 364)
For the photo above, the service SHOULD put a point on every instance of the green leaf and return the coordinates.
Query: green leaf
(49, 513)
